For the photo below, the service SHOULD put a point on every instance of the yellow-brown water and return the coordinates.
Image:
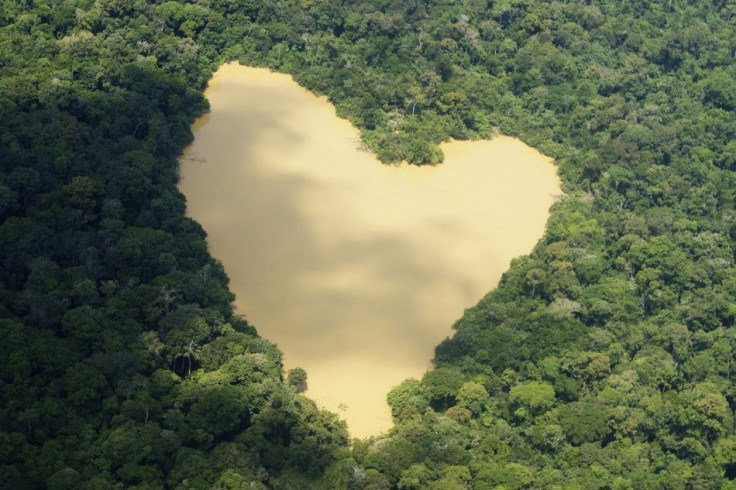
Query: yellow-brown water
(356, 269)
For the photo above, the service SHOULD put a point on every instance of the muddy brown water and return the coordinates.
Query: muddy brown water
(354, 268)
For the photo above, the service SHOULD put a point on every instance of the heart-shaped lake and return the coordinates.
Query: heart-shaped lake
(356, 269)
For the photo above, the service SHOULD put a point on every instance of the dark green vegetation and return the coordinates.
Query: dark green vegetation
(603, 360)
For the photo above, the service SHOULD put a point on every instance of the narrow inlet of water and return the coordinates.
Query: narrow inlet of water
(356, 269)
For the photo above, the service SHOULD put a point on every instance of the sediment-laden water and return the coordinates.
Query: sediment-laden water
(356, 269)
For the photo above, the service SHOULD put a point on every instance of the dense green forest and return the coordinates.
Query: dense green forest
(604, 359)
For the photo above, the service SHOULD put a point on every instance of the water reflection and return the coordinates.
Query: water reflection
(356, 269)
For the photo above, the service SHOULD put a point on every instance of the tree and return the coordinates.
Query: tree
(219, 411)
(534, 396)
(584, 421)
(417, 476)
(442, 385)
(407, 398)
(473, 396)
(535, 277)
(297, 378)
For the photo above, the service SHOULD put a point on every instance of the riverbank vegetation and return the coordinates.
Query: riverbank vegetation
(604, 359)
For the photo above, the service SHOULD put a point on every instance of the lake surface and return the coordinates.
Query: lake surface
(356, 269)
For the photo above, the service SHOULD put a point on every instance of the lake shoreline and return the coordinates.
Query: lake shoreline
(337, 257)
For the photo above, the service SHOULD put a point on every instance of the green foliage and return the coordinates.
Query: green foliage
(533, 396)
(408, 399)
(297, 378)
(473, 396)
(125, 364)
(604, 359)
